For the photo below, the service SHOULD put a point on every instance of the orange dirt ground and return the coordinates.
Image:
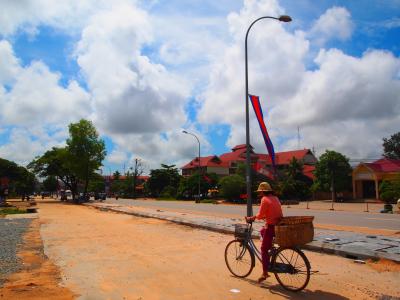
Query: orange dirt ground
(104, 255)
(39, 277)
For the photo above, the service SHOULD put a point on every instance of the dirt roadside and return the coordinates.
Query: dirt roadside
(113, 256)
(39, 278)
(102, 255)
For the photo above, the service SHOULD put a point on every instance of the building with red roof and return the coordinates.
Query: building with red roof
(368, 176)
(227, 163)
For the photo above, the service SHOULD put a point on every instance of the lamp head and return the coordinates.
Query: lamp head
(285, 18)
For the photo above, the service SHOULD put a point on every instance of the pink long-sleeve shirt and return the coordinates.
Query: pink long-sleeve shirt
(270, 210)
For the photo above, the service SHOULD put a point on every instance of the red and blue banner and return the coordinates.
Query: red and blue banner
(255, 101)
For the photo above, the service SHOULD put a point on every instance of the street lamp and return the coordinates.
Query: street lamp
(248, 162)
(199, 166)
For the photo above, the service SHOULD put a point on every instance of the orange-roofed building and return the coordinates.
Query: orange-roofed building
(227, 163)
(368, 176)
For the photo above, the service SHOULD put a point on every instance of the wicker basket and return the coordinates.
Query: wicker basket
(294, 231)
(296, 220)
(241, 231)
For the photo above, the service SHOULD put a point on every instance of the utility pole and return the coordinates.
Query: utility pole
(333, 189)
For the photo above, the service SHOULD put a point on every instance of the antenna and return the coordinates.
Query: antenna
(298, 137)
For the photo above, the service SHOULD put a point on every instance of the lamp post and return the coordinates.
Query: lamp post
(199, 166)
(248, 161)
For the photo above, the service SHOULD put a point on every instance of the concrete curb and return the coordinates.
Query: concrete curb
(319, 244)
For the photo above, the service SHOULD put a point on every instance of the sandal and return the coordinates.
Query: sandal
(262, 278)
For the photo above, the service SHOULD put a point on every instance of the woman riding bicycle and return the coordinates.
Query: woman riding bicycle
(271, 211)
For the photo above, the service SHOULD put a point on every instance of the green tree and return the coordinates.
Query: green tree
(390, 190)
(86, 151)
(25, 184)
(56, 162)
(256, 177)
(96, 183)
(8, 169)
(50, 184)
(293, 184)
(295, 169)
(137, 170)
(167, 176)
(333, 173)
(231, 187)
(116, 175)
(22, 182)
(183, 189)
(391, 146)
(118, 186)
(188, 187)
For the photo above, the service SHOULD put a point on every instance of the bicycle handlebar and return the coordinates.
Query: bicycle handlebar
(248, 221)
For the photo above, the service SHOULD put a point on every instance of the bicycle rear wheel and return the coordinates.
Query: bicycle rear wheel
(291, 268)
(239, 259)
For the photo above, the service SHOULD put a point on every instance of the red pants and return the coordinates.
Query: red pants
(267, 237)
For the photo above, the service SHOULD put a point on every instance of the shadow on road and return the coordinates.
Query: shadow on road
(277, 289)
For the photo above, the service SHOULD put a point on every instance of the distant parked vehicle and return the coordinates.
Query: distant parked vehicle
(100, 196)
(63, 195)
(83, 198)
(46, 194)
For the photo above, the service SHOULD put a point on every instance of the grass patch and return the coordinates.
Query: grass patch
(166, 199)
(11, 211)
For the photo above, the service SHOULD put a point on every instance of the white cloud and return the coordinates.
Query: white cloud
(117, 156)
(335, 23)
(140, 69)
(275, 69)
(392, 23)
(28, 15)
(172, 147)
(131, 94)
(345, 88)
(33, 101)
(9, 64)
(37, 97)
(129, 97)
(22, 147)
(347, 103)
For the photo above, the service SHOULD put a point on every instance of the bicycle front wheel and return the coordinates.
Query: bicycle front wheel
(291, 268)
(239, 259)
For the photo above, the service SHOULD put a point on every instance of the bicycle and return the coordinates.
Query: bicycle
(290, 265)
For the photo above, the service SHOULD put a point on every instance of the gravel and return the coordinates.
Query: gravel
(11, 236)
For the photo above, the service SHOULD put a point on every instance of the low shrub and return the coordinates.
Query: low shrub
(12, 211)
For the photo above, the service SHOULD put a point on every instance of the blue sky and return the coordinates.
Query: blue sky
(143, 71)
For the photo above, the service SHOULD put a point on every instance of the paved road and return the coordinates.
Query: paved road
(341, 218)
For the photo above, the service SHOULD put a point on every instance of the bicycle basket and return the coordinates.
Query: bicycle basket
(294, 231)
(241, 231)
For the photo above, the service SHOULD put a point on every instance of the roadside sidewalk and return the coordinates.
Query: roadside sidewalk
(343, 243)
